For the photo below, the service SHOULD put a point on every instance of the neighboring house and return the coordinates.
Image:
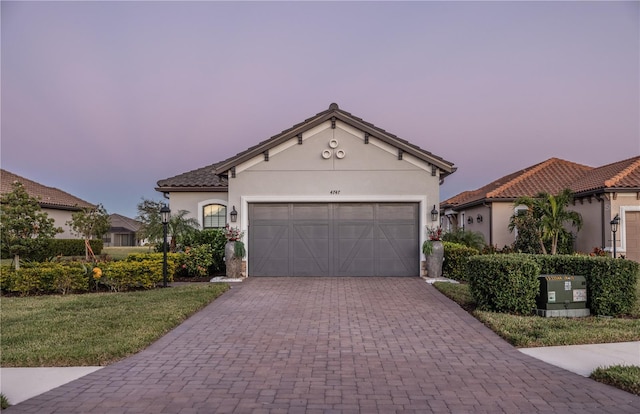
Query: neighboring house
(123, 232)
(331, 196)
(600, 193)
(58, 204)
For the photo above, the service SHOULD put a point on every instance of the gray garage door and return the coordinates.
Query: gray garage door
(334, 239)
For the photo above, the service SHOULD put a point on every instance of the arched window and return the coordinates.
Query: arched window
(214, 216)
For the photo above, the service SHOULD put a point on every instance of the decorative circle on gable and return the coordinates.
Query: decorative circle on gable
(326, 154)
(340, 154)
(333, 143)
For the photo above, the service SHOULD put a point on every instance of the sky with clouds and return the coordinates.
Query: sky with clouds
(103, 99)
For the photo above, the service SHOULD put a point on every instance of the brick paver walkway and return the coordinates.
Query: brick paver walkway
(332, 345)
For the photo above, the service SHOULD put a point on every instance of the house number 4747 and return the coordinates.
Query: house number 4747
(334, 192)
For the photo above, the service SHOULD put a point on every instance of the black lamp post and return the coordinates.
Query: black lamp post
(165, 213)
(614, 228)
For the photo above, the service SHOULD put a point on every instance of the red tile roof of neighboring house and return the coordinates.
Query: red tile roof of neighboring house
(552, 176)
(49, 197)
(623, 174)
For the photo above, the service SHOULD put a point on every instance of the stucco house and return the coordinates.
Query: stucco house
(331, 196)
(58, 205)
(600, 193)
(122, 232)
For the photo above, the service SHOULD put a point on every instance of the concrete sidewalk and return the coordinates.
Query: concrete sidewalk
(584, 359)
(20, 384)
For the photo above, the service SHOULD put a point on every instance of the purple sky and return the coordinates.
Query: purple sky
(103, 99)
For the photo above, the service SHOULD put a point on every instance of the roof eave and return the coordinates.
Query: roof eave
(176, 189)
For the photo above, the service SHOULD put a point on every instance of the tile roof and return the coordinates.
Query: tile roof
(119, 222)
(552, 176)
(204, 177)
(618, 175)
(49, 197)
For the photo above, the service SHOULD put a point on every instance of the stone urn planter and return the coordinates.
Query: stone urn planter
(435, 258)
(233, 254)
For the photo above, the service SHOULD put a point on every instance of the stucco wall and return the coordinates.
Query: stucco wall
(483, 226)
(193, 202)
(61, 217)
(367, 172)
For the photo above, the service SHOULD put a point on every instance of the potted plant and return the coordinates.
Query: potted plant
(433, 250)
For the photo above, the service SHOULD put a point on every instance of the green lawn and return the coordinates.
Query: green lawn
(96, 328)
(119, 253)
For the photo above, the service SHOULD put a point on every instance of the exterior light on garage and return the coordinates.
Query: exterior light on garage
(434, 213)
(614, 228)
(165, 214)
(234, 215)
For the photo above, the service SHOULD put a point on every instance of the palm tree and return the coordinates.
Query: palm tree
(549, 213)
(179, 226)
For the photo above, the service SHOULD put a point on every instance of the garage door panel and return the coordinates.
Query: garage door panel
(334, 239)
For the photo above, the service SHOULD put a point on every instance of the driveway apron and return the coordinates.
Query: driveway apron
(332, 345)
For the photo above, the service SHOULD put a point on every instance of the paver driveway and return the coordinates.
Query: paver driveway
(324, 345)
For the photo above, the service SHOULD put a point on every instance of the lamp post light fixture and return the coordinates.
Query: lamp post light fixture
(614, 228)
(434, 213)
(165, 214)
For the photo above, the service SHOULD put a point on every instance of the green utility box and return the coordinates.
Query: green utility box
(562, 295)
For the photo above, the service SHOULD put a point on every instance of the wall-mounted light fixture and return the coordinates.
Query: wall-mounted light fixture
(614, 228)
(434, 213)
(470, 220)
(234, 215)
(479, 218)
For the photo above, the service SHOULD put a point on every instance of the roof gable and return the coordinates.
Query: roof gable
(203, 177)
(48, 197)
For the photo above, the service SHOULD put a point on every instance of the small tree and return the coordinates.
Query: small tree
(149, 216)
(24, 227)
(88, 223)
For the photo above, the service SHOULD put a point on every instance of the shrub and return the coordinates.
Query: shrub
(134, 274)
(67, 247)
(455, 260)
(41, 278)
(196, 260)
(504, 283)
(216, 239)
(473, 239)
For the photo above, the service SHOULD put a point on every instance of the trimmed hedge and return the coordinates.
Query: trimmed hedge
(60, 247)
(456, 257)
(504, 283)
(611, 283)
(45, 278)
(135, 274)
(138, 272)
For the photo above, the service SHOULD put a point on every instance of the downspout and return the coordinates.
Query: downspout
(490, 223)
(602, 221)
